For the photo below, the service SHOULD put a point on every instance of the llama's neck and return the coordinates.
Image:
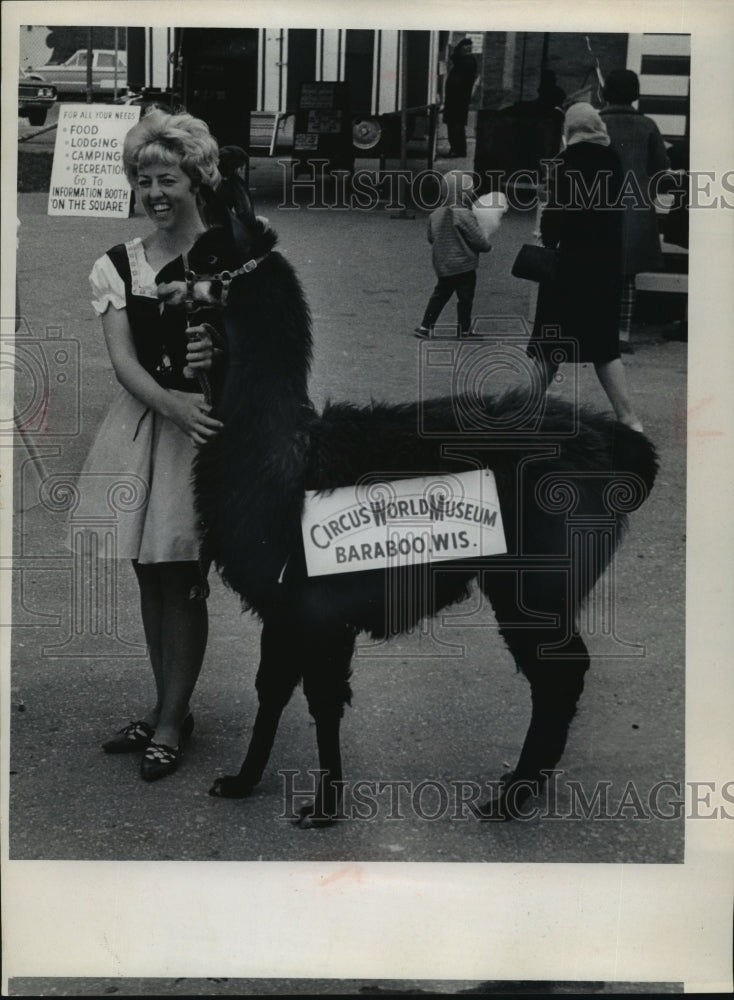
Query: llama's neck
(265, 405)
(252, 477)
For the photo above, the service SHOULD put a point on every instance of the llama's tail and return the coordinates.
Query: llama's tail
(593, 442)
(607, 455)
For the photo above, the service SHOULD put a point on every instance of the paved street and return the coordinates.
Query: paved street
(445, 705)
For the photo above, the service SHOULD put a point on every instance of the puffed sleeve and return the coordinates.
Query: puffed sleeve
(107, 286)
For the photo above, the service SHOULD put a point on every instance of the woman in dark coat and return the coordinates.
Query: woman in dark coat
(636, 140)
(583, 220)
(459, 87)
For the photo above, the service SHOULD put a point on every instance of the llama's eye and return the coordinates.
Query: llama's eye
(212, 260)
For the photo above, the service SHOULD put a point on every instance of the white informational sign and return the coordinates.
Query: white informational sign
(87, 176)
(409, 521)
(477, 38)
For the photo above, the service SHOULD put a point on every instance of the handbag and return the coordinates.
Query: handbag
(536, 263)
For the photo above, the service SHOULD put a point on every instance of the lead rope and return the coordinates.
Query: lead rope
(190, 307)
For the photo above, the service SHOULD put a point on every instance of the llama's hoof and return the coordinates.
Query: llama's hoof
(230, 786)
(310, 820)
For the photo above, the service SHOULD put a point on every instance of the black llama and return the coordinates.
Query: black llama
(251, 481)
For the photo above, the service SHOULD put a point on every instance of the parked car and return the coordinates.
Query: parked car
(35, 97)
(70, 77)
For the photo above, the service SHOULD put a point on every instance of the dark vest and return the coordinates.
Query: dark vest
(159, 334)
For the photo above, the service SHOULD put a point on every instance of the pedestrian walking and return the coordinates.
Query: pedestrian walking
(457, 240)
(583, 219)
(459, 88)
(157, 422)
(639, 145)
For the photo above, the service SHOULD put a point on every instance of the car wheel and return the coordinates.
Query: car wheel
(37, 116)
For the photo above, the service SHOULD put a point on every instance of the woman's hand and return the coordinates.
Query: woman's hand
(188, 412)
(192, 416)
(201, 350)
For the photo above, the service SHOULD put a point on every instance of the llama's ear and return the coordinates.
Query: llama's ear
(215, 208)
(241, 224)
(243, 227)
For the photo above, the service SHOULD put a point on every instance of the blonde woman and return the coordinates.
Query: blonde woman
(157, 422)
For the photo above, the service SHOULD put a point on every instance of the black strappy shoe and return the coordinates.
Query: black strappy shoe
(158, 761)
(136, 736)
(132, 738)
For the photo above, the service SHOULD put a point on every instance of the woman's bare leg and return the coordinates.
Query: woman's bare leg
(613, 382)
(184, 631)
(151, 610)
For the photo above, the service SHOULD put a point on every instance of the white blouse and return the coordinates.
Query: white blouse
(108, 288)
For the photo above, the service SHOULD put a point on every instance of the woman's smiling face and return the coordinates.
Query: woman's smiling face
(167, 193)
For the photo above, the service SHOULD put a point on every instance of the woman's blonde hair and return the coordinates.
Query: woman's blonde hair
(178, 138)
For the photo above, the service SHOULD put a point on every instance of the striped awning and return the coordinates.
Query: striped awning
(663, 64)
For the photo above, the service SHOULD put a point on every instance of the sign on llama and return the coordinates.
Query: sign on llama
(380, 524)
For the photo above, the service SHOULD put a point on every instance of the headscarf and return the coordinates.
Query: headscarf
(584, 124)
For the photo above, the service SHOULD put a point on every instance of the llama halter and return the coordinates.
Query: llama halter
(225, 279)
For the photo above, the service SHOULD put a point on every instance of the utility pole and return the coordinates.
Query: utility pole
(403, 213)
(90, 57)
(508, 66)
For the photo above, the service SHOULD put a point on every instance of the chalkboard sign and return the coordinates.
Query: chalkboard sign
(319, 95)
(323, 129)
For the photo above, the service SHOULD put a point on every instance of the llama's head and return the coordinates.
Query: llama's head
(242, 235)
(221, 254)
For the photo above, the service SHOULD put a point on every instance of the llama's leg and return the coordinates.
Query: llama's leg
(556, 683)
(326, 685)
(555, 691)
(277, 676)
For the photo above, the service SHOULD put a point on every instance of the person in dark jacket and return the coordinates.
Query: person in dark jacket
(637, 141)
(581, 220)
(233, 189)
(459, 88)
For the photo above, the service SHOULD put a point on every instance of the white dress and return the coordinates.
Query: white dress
(137, 477)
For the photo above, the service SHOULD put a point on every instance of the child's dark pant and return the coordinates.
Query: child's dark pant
(463, 284)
